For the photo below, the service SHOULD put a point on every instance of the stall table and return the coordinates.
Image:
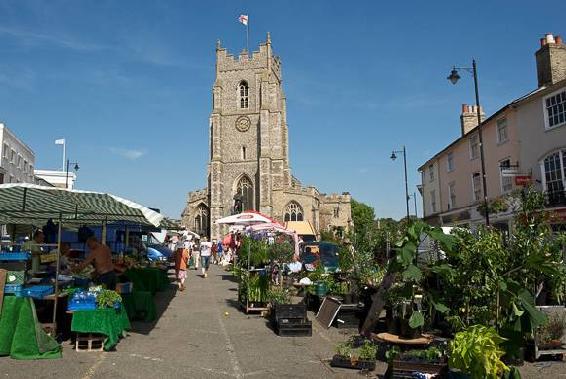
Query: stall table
(139, 305)
(148, 279)
(107, 321)
(21, 335)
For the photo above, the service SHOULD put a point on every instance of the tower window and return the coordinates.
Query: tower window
(243, 152)
(244, 95)
(246, 192)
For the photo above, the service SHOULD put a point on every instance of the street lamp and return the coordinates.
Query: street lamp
(76, 168)
(453, 78)
(393, 157)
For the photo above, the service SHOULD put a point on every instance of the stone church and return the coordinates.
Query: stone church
(249, 152)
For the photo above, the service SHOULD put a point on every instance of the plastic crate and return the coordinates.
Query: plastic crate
(38, 292)
(22, 256)
(15, 277)
(48, 258)
(81, 306)
(15, 289)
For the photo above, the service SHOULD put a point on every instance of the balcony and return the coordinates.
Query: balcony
(555, 199)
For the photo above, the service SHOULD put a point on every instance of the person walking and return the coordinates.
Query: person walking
(205, 253)
(196, 254)
(219, 251)
(214, 250)
(181, 262)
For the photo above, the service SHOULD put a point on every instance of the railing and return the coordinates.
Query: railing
(555, 199)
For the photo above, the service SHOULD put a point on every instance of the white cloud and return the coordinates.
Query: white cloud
(131, 154)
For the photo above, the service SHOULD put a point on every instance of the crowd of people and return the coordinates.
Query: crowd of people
(192, 253)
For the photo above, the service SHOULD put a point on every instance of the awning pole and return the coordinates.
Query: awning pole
(57, 269)
(104, 230)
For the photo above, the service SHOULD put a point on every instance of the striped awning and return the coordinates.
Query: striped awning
(24, 203)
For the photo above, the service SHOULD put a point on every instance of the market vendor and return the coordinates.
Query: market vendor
(34, 246)
(64, 259)
(101, 256)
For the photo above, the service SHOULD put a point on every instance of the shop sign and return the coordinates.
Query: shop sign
(523, 180)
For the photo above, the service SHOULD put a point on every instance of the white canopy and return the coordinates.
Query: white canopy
(244, 218)
(29, 204)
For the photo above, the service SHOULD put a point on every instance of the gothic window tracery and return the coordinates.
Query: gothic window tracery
(245, 189)
(201, 220)
(243, 91)
(294, 212)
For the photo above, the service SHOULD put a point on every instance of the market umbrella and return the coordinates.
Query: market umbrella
(244, 218)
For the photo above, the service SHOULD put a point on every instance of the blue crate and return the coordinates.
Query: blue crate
(81, 306)
(22, 256)
(38, 292)
(15, 289)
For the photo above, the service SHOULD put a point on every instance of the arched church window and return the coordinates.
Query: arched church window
(245, 189)
(293, 212)
(201, 220)
(244, 94)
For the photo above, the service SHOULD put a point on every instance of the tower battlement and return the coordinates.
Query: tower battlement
(259, 59)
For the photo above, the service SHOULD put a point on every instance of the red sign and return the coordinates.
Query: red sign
(522, 180)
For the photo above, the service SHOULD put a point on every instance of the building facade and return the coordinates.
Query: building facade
(55, 178)
(524, 143)
(249, 152)
(17, 160)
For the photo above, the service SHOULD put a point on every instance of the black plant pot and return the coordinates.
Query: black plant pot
(391, 322)
(407, 332)
(348, 298)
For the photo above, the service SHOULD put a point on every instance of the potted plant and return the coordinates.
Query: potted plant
(432, 360)
(476, 353)
(361, 357)
(549, 335)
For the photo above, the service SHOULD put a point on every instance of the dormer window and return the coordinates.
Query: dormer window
(244, 98)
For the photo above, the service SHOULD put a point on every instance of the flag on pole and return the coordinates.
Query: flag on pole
(243, 19)
(60, 141)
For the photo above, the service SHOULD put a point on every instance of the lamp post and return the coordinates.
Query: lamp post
(76, 168)
(393, 157)
(453, 78)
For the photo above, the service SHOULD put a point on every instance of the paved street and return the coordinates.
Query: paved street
(193, 338)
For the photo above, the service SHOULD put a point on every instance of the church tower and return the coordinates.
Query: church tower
(248, 133)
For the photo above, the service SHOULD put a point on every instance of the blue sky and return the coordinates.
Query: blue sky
(128, 84)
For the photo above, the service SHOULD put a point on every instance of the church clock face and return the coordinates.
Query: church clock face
(243, 123)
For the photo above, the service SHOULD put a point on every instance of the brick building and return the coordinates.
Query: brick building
(249, 152)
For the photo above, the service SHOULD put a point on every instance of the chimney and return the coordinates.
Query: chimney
(551, 60)
(469, 117)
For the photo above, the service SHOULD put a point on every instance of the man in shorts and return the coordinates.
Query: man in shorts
(205, 253)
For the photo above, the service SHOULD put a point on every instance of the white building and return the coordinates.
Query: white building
(57, 178)
(17, 160)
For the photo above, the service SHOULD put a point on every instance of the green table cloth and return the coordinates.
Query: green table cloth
(148, 279)
(108, 321)
(140, 305)
(21, 335)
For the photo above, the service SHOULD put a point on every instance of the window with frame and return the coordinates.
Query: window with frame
(450, 161)
(201, 220)
(476, 186)
(244, 94)
(293, 212)
(555, 108)
(502, 136)
(554, 166)
(431, 173)
(433, 201)
(506, 181)
(336, 212)
(474, 146)
(13, 156)
(246, 191)
(451, 195)
(6, 151)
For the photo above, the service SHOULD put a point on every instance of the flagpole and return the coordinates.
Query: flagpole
(64, 153)
(248, 36)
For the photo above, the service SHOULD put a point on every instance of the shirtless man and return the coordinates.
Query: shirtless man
(101, 255)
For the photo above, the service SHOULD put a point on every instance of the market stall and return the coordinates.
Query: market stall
(26, 204)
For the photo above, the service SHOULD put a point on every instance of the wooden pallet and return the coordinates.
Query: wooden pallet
(89, 342)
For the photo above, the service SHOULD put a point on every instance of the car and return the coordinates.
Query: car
(313, 254)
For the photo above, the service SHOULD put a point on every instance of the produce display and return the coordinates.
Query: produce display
(94, 297)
